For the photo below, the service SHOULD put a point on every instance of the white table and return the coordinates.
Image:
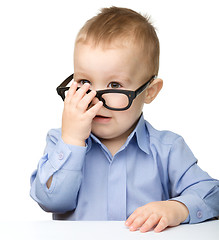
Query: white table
(66, 230)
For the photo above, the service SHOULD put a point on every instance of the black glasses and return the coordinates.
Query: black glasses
(113, 99)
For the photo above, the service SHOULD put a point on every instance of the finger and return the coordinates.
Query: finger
(138, 212)
(75, 95)
(71, 91)
(80, 93)
(163, 223)
(137, 223)
(150, 223)
(86, 100)
(92, 112)
(131, 218)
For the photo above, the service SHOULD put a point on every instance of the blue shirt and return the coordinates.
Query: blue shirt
(91, 184)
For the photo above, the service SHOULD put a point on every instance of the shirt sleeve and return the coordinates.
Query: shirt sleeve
(191, 185)
(64, 162)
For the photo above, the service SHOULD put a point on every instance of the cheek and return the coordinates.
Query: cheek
(130, 115)
(137, 105)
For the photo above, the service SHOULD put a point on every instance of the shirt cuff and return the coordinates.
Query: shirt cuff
(67, 156)
(64, 156)
(198, 211)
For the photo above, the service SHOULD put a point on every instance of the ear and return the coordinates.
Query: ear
(153, 90)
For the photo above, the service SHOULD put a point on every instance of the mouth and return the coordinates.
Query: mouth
(102, 119)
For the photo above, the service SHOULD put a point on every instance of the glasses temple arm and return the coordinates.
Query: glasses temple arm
(61, 88)
(142, 88)
(66, 81)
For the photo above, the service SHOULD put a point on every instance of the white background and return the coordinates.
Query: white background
(36, 54)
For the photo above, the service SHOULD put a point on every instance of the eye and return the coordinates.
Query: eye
(114, 85)
(83, 81)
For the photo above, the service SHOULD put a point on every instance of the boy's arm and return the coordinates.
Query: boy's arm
(61, 166)
(191, 185)
(64, 163)
(195, 195)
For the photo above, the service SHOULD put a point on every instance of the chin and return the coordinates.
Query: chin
(103, 133)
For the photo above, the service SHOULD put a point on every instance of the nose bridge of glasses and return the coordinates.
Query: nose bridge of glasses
(98, 95)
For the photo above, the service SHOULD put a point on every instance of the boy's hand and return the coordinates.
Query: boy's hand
(76, 117)
(162, 214)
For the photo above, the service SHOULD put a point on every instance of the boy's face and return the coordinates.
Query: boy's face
(109, 68)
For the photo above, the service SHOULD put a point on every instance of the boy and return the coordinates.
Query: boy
(106, 162)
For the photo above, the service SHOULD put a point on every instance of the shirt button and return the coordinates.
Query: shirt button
(60, 156)
(199, 214)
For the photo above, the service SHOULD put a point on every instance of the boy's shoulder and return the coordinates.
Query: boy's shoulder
(162, 136)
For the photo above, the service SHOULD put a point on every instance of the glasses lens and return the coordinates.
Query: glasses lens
(116, 100)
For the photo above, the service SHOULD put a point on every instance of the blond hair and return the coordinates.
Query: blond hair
(113, 24)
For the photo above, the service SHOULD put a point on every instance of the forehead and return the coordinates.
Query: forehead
(114, 59)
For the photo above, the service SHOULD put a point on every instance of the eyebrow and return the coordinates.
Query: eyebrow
(81, 75)
(119, 77)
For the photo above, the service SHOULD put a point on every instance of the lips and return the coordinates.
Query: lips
(102, 119)
(100, 116)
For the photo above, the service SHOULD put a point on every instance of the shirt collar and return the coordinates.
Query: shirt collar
(90, 139)
(140, 132)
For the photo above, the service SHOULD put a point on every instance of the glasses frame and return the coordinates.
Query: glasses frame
(61, 89)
